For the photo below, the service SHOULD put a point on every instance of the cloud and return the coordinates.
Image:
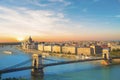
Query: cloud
(26, 2)
(117, 16)
(37, 3)
(24, 22)
(56, 0)
(66, 3)
(56, 5)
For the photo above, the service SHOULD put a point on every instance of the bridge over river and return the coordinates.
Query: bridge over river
(37, 65)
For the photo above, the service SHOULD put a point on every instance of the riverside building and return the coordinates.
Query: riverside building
(29, 44)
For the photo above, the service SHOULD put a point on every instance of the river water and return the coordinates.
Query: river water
(76, 71)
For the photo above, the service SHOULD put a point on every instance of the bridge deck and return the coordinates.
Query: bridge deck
(15, 69)
(68, 62)
(46, 65)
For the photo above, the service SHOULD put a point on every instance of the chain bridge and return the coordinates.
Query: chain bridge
(38, 66)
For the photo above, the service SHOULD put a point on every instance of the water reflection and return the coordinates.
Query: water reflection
(37, 75)
(105, 73)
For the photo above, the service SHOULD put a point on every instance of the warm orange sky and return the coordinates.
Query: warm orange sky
(55, 38)
(7, 39)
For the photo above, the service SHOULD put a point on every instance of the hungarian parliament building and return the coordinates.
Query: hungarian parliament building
(29, 44)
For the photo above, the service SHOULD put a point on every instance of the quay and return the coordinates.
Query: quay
(46, 54)
(115, 60)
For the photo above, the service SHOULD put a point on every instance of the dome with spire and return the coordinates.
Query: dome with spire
(29, 44)
(30, 39)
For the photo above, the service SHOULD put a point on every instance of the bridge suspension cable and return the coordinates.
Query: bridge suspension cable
(52, 60)
(49, 59)
(69, 62)
(19, 64)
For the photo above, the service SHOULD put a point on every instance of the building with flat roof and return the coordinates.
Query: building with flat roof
(41, 47)
(48, 48)
(69, 49)
(84, 51)
(115, 47)
(56, 49)
(96, 49)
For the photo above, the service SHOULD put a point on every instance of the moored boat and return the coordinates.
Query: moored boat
(7, 52)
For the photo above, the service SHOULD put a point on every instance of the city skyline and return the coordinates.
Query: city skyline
(59, 20)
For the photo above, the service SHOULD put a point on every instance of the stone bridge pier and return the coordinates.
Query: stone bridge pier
(106, 56)
(37, 71)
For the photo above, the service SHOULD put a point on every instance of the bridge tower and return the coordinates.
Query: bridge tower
(37, 71)
(106, 56)
(0, 76)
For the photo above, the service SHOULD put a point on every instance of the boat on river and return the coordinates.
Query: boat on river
(7, 52)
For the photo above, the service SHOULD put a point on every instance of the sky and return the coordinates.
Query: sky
(59, 20)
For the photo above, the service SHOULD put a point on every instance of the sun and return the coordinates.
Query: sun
(20, 38)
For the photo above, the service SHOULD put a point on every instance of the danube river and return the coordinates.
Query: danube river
(76, 71)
